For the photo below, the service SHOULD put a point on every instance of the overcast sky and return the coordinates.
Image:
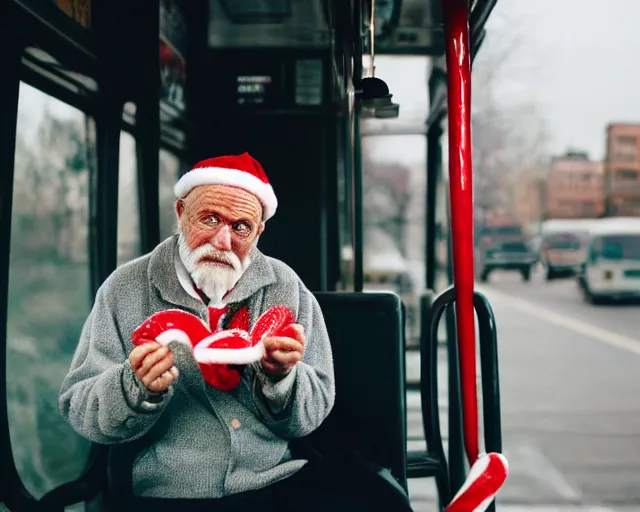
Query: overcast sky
(578, 60)
(579, 64)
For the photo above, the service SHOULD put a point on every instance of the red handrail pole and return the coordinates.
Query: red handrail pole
(456, 32)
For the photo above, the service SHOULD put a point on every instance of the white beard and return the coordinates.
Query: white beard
(214, 279)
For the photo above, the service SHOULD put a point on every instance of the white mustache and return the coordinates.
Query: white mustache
(208, 252)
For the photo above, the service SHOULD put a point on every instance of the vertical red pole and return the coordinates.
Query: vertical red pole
(456, 32)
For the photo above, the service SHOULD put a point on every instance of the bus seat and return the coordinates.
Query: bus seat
(366, 333)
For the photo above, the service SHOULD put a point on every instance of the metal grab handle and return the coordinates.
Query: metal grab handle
(456, 27)
(429, 392)
(453, 471)
(488, 338)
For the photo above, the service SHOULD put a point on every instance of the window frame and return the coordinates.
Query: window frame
(13, 493)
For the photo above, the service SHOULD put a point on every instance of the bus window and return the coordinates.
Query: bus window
(621, 247)
(563, 242)
(169, 174)
(128, 203)
(49, 288)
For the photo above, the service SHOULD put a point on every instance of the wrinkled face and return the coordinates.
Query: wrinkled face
(219, 226)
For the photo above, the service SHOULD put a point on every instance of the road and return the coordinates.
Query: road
(570, 389)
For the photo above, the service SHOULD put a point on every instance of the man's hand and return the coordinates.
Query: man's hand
(153, 365)
(283, 352)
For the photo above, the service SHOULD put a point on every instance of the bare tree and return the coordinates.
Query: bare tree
(65, 174)
(387, 197)
(509, 130)
(50, 190)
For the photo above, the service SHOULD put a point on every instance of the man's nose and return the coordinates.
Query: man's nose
(222, 239)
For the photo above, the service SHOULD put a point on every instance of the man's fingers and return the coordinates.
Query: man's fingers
(152, 359)
(164, 365)
(163, 382)
(283, 358)
(140, 352)
(272, 343)
(281, 353)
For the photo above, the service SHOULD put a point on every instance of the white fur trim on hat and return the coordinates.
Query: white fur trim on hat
(233, 177)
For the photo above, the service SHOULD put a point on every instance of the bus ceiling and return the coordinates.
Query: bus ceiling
(403, 27)
(64, 40)
(269, 23)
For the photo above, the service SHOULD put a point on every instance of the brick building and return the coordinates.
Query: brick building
(574, 187)
(622, 170)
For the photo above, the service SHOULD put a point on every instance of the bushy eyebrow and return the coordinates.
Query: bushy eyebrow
(208, 211)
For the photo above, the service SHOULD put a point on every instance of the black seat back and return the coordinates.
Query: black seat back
(366, 332)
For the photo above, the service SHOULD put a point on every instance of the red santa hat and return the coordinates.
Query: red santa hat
(241, 171)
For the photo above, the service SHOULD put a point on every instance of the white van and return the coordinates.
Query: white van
(562, 250)
(612, 267)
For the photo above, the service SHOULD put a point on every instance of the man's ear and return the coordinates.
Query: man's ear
(260, 228)
(179, 208)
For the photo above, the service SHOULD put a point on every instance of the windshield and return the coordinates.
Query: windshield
(565, 242)
(618, 247)
(514, 247)
(500, 230)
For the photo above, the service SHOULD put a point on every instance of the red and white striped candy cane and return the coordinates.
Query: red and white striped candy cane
(486, 477)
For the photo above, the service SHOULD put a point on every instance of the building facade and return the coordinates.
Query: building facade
(622, 170)
(575, 187)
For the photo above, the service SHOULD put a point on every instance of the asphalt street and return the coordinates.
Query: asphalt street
(570, 390)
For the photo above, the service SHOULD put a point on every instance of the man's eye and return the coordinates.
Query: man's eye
(212, 220)
(241, 227)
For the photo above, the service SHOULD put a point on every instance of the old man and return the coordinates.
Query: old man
(189, 443)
